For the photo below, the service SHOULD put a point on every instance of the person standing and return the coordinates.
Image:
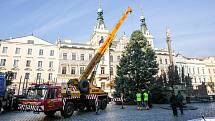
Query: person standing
(180, 99)
(173, 103)
(146, 99)
(139, 100)
(150, 100)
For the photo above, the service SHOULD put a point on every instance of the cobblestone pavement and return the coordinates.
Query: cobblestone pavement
(115, 113)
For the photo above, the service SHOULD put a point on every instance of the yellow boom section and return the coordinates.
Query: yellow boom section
(104, 46)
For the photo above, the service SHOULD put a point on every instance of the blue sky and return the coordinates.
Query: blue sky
(192, 22)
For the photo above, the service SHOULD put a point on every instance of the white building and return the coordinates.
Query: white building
(31, 59)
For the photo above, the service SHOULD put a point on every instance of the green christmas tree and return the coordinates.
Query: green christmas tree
(137, 66)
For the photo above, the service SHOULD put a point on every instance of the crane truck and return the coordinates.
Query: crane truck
(77, 94)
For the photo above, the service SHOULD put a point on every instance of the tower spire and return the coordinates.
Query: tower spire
(100, 6)
(145, 31)
(100, 20)
(143, 26)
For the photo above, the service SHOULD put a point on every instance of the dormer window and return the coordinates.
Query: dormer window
(30, 41)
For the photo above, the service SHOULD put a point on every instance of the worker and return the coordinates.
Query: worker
(146, 99)
(180, 99)
(139, 100)
(173, 103)
(149, 100)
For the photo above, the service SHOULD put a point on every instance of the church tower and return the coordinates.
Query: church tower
(145, 31)
(100, 31)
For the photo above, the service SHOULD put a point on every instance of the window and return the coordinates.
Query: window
(209, 71)
(4, 50)
(29, 51)
(64, 70)
(15, 63)
(103, 58)
(90, 56)
(50, 64)
(195, 79)
(28, 63)
(160, 61)
(64, 56)
(198, 71)
(200, 80)
(17, 51)
(81, 70)
(27, 75)
(111, 58)
(14, 75)
(203, 71)
(73, 70)
(40, 63)
(166, 62)
(3, 61)
(30, 42)
(193, 70)
(103, 85)
(51, 52)
(102, 70)
(41, 52)
(39, 76)
(52, 93)
(73, 56)
(50, 76)
(189, 70)
(118, 58)
(111, 70)
(204, 80)
(82, 56)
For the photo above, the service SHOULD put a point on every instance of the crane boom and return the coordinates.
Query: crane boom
(104, 46)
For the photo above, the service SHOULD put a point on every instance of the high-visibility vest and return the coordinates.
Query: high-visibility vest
(146, 96)
(138, 96)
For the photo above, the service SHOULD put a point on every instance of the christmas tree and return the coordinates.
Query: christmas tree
(137, 67)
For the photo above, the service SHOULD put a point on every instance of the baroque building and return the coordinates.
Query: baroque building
(31, 59)
(34, 60)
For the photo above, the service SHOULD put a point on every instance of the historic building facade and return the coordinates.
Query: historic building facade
(34, 60)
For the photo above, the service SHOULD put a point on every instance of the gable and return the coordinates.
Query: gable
(29, 40)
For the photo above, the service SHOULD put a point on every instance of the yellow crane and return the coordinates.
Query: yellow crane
(83, 79)
(51, 98)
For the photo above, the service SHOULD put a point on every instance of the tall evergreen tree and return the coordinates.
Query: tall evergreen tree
(137, 66)
(173, 75)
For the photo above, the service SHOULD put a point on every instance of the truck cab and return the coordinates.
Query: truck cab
(42, 98)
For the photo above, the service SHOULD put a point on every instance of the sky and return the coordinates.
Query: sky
(192, 22)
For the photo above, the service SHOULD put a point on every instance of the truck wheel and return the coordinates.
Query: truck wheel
(68, 110)
(103, 104)
(49, 113)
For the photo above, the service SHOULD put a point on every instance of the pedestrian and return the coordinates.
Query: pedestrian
(150, 100)
(146, 99)
(139, 100)
(173, 103)
(180, 99)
